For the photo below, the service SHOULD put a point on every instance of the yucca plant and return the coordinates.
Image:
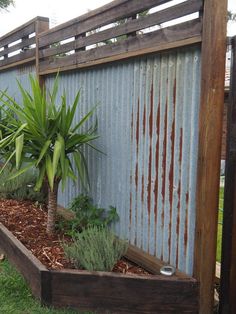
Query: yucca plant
(41, 134)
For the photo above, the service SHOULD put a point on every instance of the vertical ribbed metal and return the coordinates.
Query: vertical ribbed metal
(8, 80)
(148, 127)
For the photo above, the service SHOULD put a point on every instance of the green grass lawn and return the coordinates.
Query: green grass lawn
(220, 219)
(15, 296)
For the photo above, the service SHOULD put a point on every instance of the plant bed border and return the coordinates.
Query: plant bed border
(103, 292)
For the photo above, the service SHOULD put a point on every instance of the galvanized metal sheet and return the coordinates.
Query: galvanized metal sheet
(8, 80)
(148, 126)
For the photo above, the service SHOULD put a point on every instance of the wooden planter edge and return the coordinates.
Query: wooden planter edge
(101, 291)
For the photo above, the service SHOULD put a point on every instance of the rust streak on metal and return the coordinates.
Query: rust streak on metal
(156, 166)
(171, 173)
(131, 177)
(186, 223)
(136, 175)
(164, 169)
(164, 160)
(157, 161)
(132, 125)
(179, 191)
(150, 153)
(144, 120)
(137, 146)
(137, 129)
(151, 114)
(142, 193)
(130, 208)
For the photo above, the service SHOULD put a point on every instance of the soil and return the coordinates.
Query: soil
(27, 221)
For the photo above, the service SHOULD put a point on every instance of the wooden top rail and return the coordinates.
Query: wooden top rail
(17, 46)
(118, 30)
(110, 13)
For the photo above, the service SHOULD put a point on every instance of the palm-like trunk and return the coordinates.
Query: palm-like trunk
(52, 208)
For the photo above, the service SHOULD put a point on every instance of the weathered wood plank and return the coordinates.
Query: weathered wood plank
(21, 31)
(126, 55)
(28, 265)
(228, 265)
(134, 25)
(25, 43)
(117, 10)
(115, 293)
(22, 56)
(210, 133)
(18, 63)
(167, 35)
(150, 263)
(40, 26)
(101, 291)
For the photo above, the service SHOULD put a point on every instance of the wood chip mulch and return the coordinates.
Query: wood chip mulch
(27, 222)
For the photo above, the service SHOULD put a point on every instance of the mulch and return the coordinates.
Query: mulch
(27, 221)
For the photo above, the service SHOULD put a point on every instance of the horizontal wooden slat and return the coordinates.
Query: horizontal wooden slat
(168, 36)
(157, 18)
(24, 43)
(23, 56)
(159, 48)
(20, 32)
(107, 14)
(17, 63)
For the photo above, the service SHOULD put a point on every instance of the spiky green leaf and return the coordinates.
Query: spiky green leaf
(19, 147)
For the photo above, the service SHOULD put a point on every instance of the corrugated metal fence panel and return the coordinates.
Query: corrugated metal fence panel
(148, 126)
(8, 80)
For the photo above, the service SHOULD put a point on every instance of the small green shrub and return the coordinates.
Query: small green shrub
(86, 214)
(21, 187)
(96, 248)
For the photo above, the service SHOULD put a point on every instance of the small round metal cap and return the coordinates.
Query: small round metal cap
(167, 270)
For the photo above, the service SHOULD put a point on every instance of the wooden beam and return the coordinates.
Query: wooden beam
(21, 31)
(150, 263)
(110, 13)
(40, 26)
(24, 43)
(28, 265)
(169, 35)
(210, 132)
(130, 27)
(156, 48)
(20, 57)
(105, 292)
(17, 63)
(228, 270)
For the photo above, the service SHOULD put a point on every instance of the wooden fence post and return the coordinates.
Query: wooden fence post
(228, 266)
(41, 25)
(210, 133)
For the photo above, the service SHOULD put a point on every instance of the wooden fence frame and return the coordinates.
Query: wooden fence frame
(228, 266)
(210, 31)
(19, 42)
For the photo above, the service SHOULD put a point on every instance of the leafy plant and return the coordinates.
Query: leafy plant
(44, 137)
(86, 214)
(21, 187)
(96, 248)
(5, 3)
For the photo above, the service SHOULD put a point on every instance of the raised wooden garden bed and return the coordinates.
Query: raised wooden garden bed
(104, 292)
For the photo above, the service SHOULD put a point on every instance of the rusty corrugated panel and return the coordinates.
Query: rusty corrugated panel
(8, 80)
(147, 121)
